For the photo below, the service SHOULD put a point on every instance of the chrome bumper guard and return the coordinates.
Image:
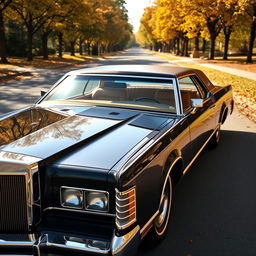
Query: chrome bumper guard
(126, 245)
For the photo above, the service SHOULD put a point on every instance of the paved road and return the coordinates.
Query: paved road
(214, 206)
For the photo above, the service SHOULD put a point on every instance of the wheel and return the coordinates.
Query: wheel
(147, 98)
(160, 224)
(215, 139)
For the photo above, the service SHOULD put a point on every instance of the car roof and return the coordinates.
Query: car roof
(169, 71)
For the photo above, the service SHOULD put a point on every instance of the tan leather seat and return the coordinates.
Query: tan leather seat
(165, 97)
(111, 91)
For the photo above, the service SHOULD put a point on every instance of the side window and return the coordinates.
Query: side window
(190, 89)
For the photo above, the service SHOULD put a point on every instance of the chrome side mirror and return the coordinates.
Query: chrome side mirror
(196, 103)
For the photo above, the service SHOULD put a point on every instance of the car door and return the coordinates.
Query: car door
(201, 120)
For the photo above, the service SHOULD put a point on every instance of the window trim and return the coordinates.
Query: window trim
(172, 80)
(198, 83)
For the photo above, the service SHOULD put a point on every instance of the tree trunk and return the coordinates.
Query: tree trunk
(45, 45)
(3, 51)
(186, 46)
(227, 32)
(30, 41)
(99, 49)
(89, 48)
(170, 46)
(60, 39)
(178, 46)
(212, 50)
(195, 53)
(95, 50)
(204, 46)
(80, 46)
(214, 29)
(72, 48)
(30, 46)
(183, 46)
(252, 37)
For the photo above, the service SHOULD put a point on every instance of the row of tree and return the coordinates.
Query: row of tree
(169, 24)
(101, 25)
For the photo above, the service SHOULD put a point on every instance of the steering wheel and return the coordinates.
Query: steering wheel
(147, 98)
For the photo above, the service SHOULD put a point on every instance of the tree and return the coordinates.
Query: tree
(3, 53)
(193, 25)
(33, 14)
(147, 27)
(167, 22)
(210, 11)
(231, 13)
(251, 12)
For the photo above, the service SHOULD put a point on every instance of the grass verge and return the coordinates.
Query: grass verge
(52, 62)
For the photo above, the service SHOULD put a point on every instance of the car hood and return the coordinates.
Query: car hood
(95, 137)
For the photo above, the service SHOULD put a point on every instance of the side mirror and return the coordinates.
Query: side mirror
(43, 92)
(196, 103)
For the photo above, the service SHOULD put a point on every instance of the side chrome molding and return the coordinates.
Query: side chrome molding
(200, 150)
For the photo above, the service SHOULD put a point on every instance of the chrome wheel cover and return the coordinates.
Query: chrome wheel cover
(162, 218)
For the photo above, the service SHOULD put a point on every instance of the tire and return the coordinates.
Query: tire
(215, 139)
(160, 224)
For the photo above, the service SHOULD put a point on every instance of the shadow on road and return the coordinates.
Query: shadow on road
(214, 205)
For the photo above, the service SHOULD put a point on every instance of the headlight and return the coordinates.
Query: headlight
(96, 201)
(84, 199)
(72, 198)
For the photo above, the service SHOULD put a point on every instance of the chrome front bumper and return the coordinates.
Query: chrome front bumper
(53, 242)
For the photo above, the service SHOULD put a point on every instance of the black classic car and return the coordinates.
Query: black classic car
(90, 168)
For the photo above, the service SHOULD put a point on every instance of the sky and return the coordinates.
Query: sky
(135, 10)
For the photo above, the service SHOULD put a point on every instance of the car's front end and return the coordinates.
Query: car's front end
(57, 191)
(45, 213)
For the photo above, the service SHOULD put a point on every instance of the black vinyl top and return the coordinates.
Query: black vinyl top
(157, 71)
(137, 70)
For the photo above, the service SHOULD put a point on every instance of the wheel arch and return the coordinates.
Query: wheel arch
(173, 167)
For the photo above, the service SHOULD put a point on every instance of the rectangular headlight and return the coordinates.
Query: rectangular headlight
(72, 198)
(84, 199)
(96, 201)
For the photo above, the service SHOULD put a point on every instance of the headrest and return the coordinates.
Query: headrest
(115, 85)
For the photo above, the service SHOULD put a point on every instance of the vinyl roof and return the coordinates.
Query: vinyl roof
(146, 70)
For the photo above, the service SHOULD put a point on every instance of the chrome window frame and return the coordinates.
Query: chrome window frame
(171, 78)
(200, 83)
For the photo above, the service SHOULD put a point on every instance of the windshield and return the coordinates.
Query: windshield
(154, 94)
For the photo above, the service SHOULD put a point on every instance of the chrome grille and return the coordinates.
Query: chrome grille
(13, 203)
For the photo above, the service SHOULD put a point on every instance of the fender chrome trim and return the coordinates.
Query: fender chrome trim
(119, 243)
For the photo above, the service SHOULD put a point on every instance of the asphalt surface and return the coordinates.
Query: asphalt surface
(214, 205)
